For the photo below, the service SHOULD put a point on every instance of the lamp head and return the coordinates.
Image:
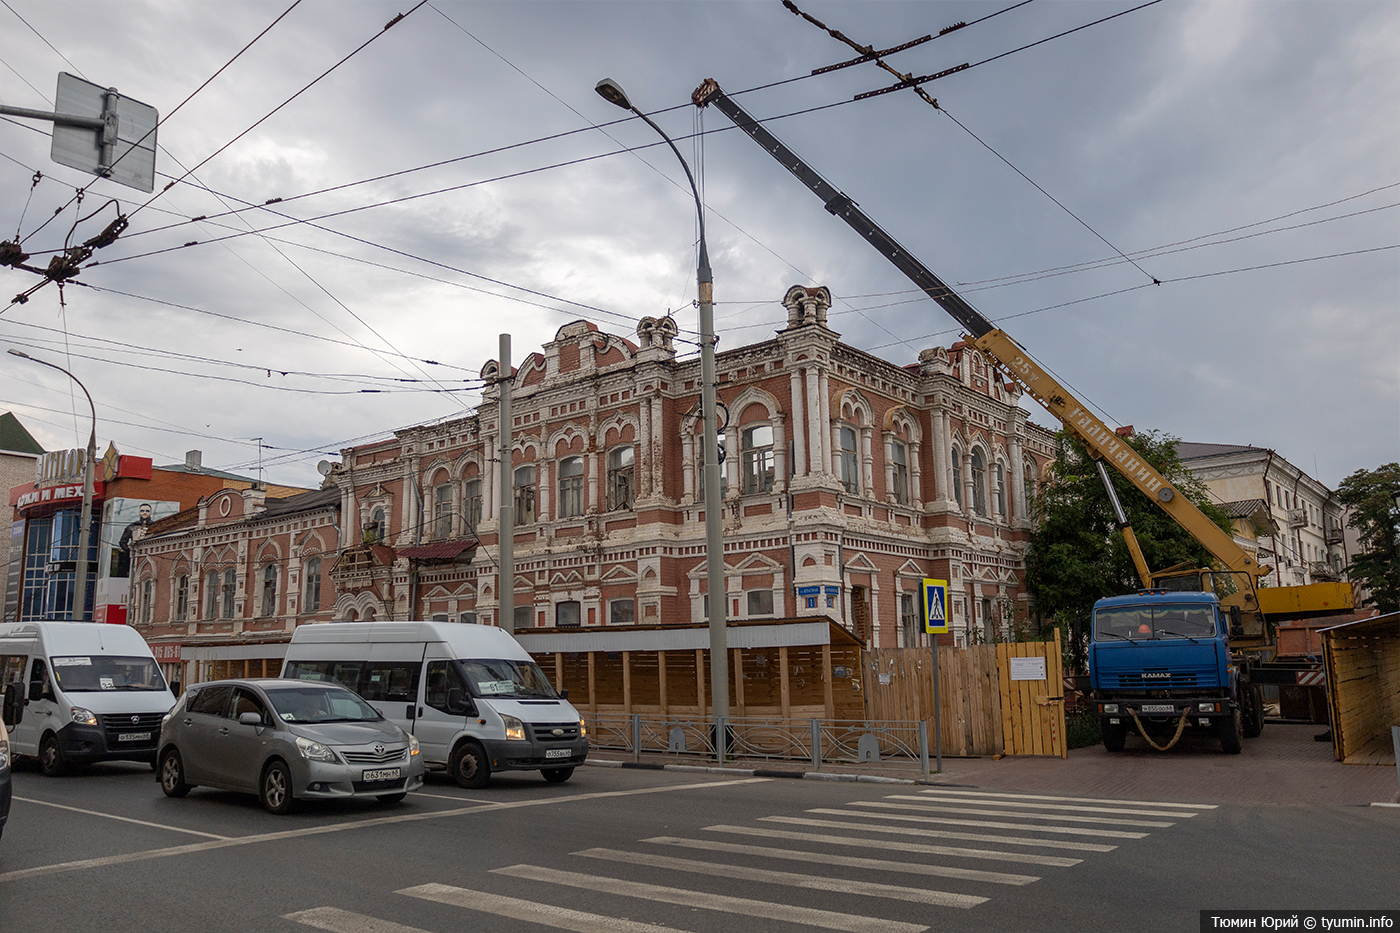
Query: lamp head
(18, 353)
(612, 92)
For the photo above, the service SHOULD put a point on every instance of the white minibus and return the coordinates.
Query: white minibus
(471, 695)
(81, 692)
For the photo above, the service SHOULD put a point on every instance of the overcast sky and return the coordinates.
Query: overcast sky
(1247, 155)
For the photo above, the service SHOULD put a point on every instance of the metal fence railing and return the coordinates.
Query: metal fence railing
(815, 741)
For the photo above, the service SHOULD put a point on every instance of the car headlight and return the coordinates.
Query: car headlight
(412, 745)
(515, 729)
(314, 751)
(582, 729)
(84, 716)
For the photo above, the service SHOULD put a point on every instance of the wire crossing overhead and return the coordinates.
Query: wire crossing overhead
(842, 206)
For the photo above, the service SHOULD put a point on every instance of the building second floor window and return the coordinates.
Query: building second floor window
(850, 459)
(471, 505)
(957, 477)
(979, 483)
(757, 459)
(999, 488)
(378, 527)
(567, 614)
(147, 598)
(227, 590)
(700, 467)
(211, 595)
(182, 597)
(621, 612)
(269, 591)
(899, 458)
(525, 495)
(442, 511)
(311, 602)
(571, 487)
(621, 478)
(759, 602)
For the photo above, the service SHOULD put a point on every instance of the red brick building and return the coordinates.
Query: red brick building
(848, 479)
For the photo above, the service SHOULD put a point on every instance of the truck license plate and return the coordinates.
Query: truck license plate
(1158, 708)
(134, 737)
(556, 753)
(383, 774)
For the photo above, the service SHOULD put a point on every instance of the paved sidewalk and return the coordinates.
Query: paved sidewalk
(1284, 766)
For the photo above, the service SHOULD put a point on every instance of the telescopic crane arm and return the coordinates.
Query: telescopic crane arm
(1103, 444)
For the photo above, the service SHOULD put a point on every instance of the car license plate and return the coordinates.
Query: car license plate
(383, 774)
(556, 753)
(134, 737)
(1158, 708)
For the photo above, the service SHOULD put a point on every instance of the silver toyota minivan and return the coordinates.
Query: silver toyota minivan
(285, 741)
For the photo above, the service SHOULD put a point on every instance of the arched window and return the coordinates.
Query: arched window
(621, 480)
(757, 458)
(311, 602)
(269, 591)
(571, 487)
(211, 595)
(471, 505)
(999, 490)
(228, 589)
(1030, 483)
(979, 483)
(148, 587)
(442, 511)
(525, 495)
(957, 477)
(700, 468)
(182, 597)
(899, 457)
(377, 528)
(850, 459)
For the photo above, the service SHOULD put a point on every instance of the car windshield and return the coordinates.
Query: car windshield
(1141, 623)
(98, 672)
(312, 704)
(508, 679)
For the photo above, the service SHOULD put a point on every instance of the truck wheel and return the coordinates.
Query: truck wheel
(469, 766)
(557, 775)
(1253, 711)
(1114, 736)
(51, 760)
(1231, 734)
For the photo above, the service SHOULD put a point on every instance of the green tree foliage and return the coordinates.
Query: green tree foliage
(1370, 494)
(1077, 555)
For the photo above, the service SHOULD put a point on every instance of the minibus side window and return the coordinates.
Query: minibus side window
(12, 669)
(39, 681)
(345, 673)
(390, 680)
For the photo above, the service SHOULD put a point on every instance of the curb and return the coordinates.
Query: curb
(761, 772)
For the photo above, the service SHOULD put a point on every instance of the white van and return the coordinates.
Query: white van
(473, 697)
(85, 692)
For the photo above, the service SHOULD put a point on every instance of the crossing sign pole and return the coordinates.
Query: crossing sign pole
(935, 593)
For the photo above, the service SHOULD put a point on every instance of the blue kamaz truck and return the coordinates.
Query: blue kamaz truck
(1160, 662)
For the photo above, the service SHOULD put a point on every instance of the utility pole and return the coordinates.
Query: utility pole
(505, 584)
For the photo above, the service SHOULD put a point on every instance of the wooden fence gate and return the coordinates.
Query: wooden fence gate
(990, 704)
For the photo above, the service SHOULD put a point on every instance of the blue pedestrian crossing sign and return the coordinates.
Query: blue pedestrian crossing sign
(935, 606)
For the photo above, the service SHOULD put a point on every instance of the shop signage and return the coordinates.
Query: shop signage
(59, 468)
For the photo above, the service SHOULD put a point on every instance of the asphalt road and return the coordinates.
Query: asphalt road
(633, 851)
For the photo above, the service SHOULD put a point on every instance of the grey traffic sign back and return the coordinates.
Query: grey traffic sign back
(130, 157)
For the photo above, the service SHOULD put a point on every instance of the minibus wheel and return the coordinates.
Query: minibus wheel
(557, 775)
(470, 768)
(51, 760)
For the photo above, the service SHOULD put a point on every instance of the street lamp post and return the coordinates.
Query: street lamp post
(612, 92)
(85, 521)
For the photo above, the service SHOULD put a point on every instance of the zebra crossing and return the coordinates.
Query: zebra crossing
(974, 843)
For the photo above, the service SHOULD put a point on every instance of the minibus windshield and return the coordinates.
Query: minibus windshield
(99, 672)
(507, 679)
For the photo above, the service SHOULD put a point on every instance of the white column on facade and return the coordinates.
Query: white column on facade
(867, 460)
(916, 478)
(594, 460)
(658, 444)
(833, 462)
(888, 437)
(642, 469)
(969, 507)
(1018, 480)
(412, 501)
(544, 481)
(816, 427)
(780, 475)
(688, 488)
(824, 398)
(799, 436)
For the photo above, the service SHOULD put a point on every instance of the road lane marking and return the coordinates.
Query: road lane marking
(195, 847)
(343, 921)
(1139, 803)
(1176, 814)
(124, 819)
(991, 824)
(419, 793)
(940, 833)
(811, 916)
(973, 810)
(849, 861)
(561, 918)
(769, 876)
(895, 846)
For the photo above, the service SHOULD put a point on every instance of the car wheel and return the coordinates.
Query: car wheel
(1114, 736)
(1231, 734)
(275, 789)
(557, 775)
(469, 766)
(172, 775)
(51, 760)
(392, 798)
